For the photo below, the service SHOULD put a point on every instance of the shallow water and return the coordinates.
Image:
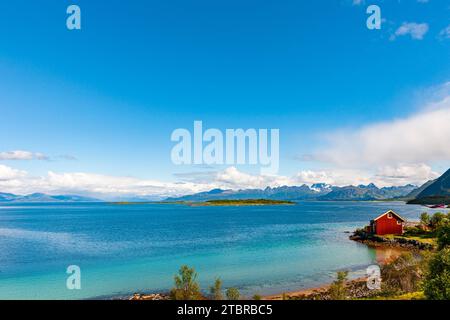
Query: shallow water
(122, 249)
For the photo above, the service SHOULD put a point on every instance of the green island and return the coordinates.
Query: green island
(129, 203)
(244, 202)
(224, 202)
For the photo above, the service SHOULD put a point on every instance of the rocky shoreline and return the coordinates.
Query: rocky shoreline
(356, 289)
(399, 242)
(152, 296)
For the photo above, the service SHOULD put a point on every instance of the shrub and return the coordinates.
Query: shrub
(216, 290)
(437, 281)
(233, 294)
(414, 231)
(337, 289)
(438, 219)
(425, 219)
(186, 286)
(443, 236)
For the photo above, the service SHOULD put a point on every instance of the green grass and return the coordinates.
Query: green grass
(419, 295)
(428, 238)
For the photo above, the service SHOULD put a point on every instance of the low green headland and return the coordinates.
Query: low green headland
(428, 234)
(432, 200)
(245, 202)
(224, 202)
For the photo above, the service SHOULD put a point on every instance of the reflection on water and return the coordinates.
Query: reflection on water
(383, 255)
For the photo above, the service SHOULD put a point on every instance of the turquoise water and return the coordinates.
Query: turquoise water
(122, 249)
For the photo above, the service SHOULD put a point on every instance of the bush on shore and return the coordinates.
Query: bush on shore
(186, 285)
(337, 290)
(443, 236)
(233, 294)
(216, 290)
(437, 281)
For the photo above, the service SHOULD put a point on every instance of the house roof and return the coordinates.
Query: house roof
(391, 212)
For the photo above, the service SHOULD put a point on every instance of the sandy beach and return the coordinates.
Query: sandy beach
(305, 293)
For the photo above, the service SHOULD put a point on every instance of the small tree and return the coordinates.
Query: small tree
(186, 285)
(443, 236)
(437, 281)
(437, 220)
(216, 290)
(233, 294)
(257, 297)
(337, 289)
(425, 219)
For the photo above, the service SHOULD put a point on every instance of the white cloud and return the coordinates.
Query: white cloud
(400, 175)
(103, 186)
(336, 177)
(232, 178)
(113, 187)
(445, 33)
(358, 2)
(22, 155)
(7, 173)
(405, 173)
(420, 138)
(417, 31)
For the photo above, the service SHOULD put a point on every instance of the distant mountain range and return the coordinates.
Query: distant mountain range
(320, 192)
(41, 197)
(434, 192)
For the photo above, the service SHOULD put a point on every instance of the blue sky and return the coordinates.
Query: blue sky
(101, 102)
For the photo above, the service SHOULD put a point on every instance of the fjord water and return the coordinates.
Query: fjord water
(123, 249)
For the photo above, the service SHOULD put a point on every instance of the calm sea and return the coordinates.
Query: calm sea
(122, 249)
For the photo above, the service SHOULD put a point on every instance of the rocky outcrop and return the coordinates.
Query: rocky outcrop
(356, 289)
(153, 296)
(375, 240)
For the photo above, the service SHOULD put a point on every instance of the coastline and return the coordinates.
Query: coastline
(310, 293)
(384, 255)
(357, 286)
(134, 275)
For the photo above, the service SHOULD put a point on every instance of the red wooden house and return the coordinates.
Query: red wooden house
(387, 223)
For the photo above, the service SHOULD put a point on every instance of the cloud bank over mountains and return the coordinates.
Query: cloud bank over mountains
(110, 187)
